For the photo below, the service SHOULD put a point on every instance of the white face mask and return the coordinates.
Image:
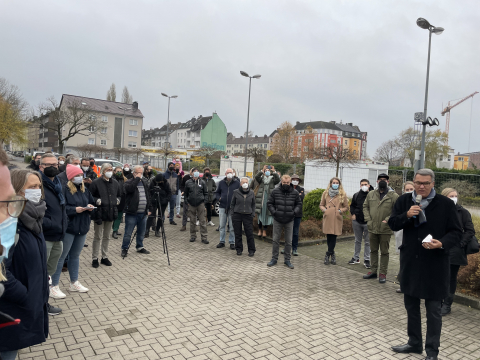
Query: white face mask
(85, 168)
(77, 180)
(126, 169)
(294, 182)
(108, 174)
(408, 192)
(61, 162)
(245, 185)
(229, 176)
(364, 188)
(454, 199)
(77, 166)
(33, 195)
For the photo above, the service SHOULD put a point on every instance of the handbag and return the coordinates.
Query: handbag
(472, 246)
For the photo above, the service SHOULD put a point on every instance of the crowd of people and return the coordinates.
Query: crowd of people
(46, 211)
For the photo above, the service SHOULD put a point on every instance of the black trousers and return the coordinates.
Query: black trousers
(154, 215)
(453, 278)
(331, 242)
(247, 221)
(208, 207)
(434, 323)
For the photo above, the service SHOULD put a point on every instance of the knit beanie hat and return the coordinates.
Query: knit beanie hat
(73, 171)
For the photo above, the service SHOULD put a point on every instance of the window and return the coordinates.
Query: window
(354, 143)
(346, 142)
(133, 122)
(332, 141)
(132, 144)
(92, 128)
(449, 158)
(91, 141)
(134, 133)
(103, 142)
(265, 146)
(104, 130)
(104, 118)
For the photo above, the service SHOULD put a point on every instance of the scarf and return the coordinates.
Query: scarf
(56, 185)
(32, 216)
(332, 193)
(422, 219)
(267, 179)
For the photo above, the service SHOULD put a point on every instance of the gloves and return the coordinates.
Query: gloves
(99, 202)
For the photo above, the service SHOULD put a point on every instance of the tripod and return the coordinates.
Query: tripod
(160, 223)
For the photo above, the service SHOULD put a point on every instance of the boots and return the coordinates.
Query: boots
(333, 259)
(327, 259)
(447, 305)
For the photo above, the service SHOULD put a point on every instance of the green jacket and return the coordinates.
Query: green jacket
(375, 211)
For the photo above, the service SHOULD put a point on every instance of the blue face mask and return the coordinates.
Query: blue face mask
(335, 186)
(8, 230)
(267, 173)
(196, 174)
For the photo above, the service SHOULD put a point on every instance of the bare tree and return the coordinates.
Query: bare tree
(389, 152)
(210, 153)
(126, 97)
(85, 150)
(283, 140)
(112, 93)
(336, 154)
(250, 134)
(258, 154)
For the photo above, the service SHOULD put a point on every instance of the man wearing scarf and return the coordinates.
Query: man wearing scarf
(424, 266)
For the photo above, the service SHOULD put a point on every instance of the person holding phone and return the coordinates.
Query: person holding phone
(79, 206)
(266, 179)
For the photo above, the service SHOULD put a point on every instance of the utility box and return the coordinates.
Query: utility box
(237, 163)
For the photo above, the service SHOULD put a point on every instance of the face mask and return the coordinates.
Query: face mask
(285, 187)
(335, 186)
(382, 184)
(294, 182)
(33, 195)
(267, 173)
(37, 162)
(126, 169)
(50, 171)
(196, 174)
(92, 163)
(454, 199)
(170, 168)
(108, 174)
(229, 176)
(61, 162)
(364, 188)
(119, 174)
(408, 192)
(8, 229)
(77, 180)
(78, 166)
(85, 168)
(207, 174)
(245, 186)
(177, 170)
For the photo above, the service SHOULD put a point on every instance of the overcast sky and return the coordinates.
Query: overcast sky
(358, 61)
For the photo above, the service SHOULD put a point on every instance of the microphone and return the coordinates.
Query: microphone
(418, 199)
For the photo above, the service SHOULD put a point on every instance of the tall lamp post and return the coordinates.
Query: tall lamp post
(243, 73)
(168, 124)
(424, 24)
(123, 126)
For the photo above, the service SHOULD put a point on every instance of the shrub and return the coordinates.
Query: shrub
(28, 159)
(311, 229)
(472, 201)
(463, 187)
(469, 276)
(311, 205)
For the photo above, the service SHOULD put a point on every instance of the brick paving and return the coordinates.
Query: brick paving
(212, 304)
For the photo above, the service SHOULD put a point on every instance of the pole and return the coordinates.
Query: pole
(168, 133)
(246, 134)
(123, 134)
(422, 151)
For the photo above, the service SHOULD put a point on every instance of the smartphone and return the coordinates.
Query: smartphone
(269, 167)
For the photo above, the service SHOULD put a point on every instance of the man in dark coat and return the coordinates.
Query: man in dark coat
(284, 204)
(35, 163)
(195, 195)
(224, 195)
(185, 178)
(359, 224)
(88, 174)
(298, 217)
(73, 160)
(160, 195)
(243, 209)
(172, 178)
(424, 260)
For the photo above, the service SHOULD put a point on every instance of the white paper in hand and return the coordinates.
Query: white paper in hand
(428, 239)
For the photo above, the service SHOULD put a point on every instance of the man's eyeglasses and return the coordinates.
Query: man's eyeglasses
(15, 205)
(426, 183)
(48, 165)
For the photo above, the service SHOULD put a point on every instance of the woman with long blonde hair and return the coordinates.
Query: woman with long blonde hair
(334, 204)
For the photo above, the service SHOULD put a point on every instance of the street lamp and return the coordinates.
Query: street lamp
(123, 126)
(424, 24)
(168, 124)
(243, 73)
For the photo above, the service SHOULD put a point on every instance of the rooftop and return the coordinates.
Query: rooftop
(103, 106)
(251, 140)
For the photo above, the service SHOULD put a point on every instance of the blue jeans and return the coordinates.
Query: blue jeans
(296, 230)
(173, 201)
(8, 355)
(223, 222)
(179, 200)
(72, 246)
(140, 221)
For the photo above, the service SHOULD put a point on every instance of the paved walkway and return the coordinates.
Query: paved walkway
(212, 304)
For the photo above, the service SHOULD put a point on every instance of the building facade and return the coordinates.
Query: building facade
(237, 145)
(461, 161)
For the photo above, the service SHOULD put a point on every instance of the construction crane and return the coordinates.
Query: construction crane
(450, 107)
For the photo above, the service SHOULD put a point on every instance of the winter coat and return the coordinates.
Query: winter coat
(55, 221)
(33, 166)
(261, 189)
(224, 192)
(173, 180)
(164, 192)
(211, 188)
(26, 292)
(376, 211)
(78, 223)
(284, 205)
(243, 202)
(121, 184)
(356, 207)
(332, 222)
(458, 255)
(301, 192)
(195, 192)
(128, 174)
(148, 179)
(90, 174)
(108, 191)
(425, 273)
(132, 196)
(184, 181)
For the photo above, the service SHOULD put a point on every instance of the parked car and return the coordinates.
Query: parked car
(114, 163)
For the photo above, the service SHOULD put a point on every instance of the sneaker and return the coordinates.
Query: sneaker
(382, 279)
(52, 310)
(353, 261)
(173, 223)
(143, 251)
(105, 262)
(232, 246)
(289, 264)
(192, 239)
(188, 219)
(197, 223)
(56, 293)
(184, 228)
(124, 253)
(272, 262)
(220, 245)
(205, 242)
(178, 216)
(370, 275)
(327, 259)
(366, 263)
(95, 263)
(147, 234)
(76, 286)
(211, 223)
(295, 252)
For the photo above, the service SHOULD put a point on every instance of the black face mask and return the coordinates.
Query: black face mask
(92, 163)
(51, 171)
(382, 184)
(37, 162)
(170, 168)
(207, 174)
(285, 187)
(177, 170)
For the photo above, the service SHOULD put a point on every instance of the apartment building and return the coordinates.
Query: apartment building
(237, 145)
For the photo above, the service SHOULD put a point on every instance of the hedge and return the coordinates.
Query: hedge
(311, 205)
(284, 168)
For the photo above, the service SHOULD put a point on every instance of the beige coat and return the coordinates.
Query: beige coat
(332, 218)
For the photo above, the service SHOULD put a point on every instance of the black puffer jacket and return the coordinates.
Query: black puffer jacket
(195, 192)
(33, 166)
(284, 205)
(132, 196)
(163, 190)
(458, 256)
(108, 192)
(243, 202)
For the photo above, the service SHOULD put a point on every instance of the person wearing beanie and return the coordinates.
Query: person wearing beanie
(172, 178)
(79, 204)
(160, 195)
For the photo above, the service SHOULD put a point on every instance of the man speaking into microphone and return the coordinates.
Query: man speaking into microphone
(424, 260)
